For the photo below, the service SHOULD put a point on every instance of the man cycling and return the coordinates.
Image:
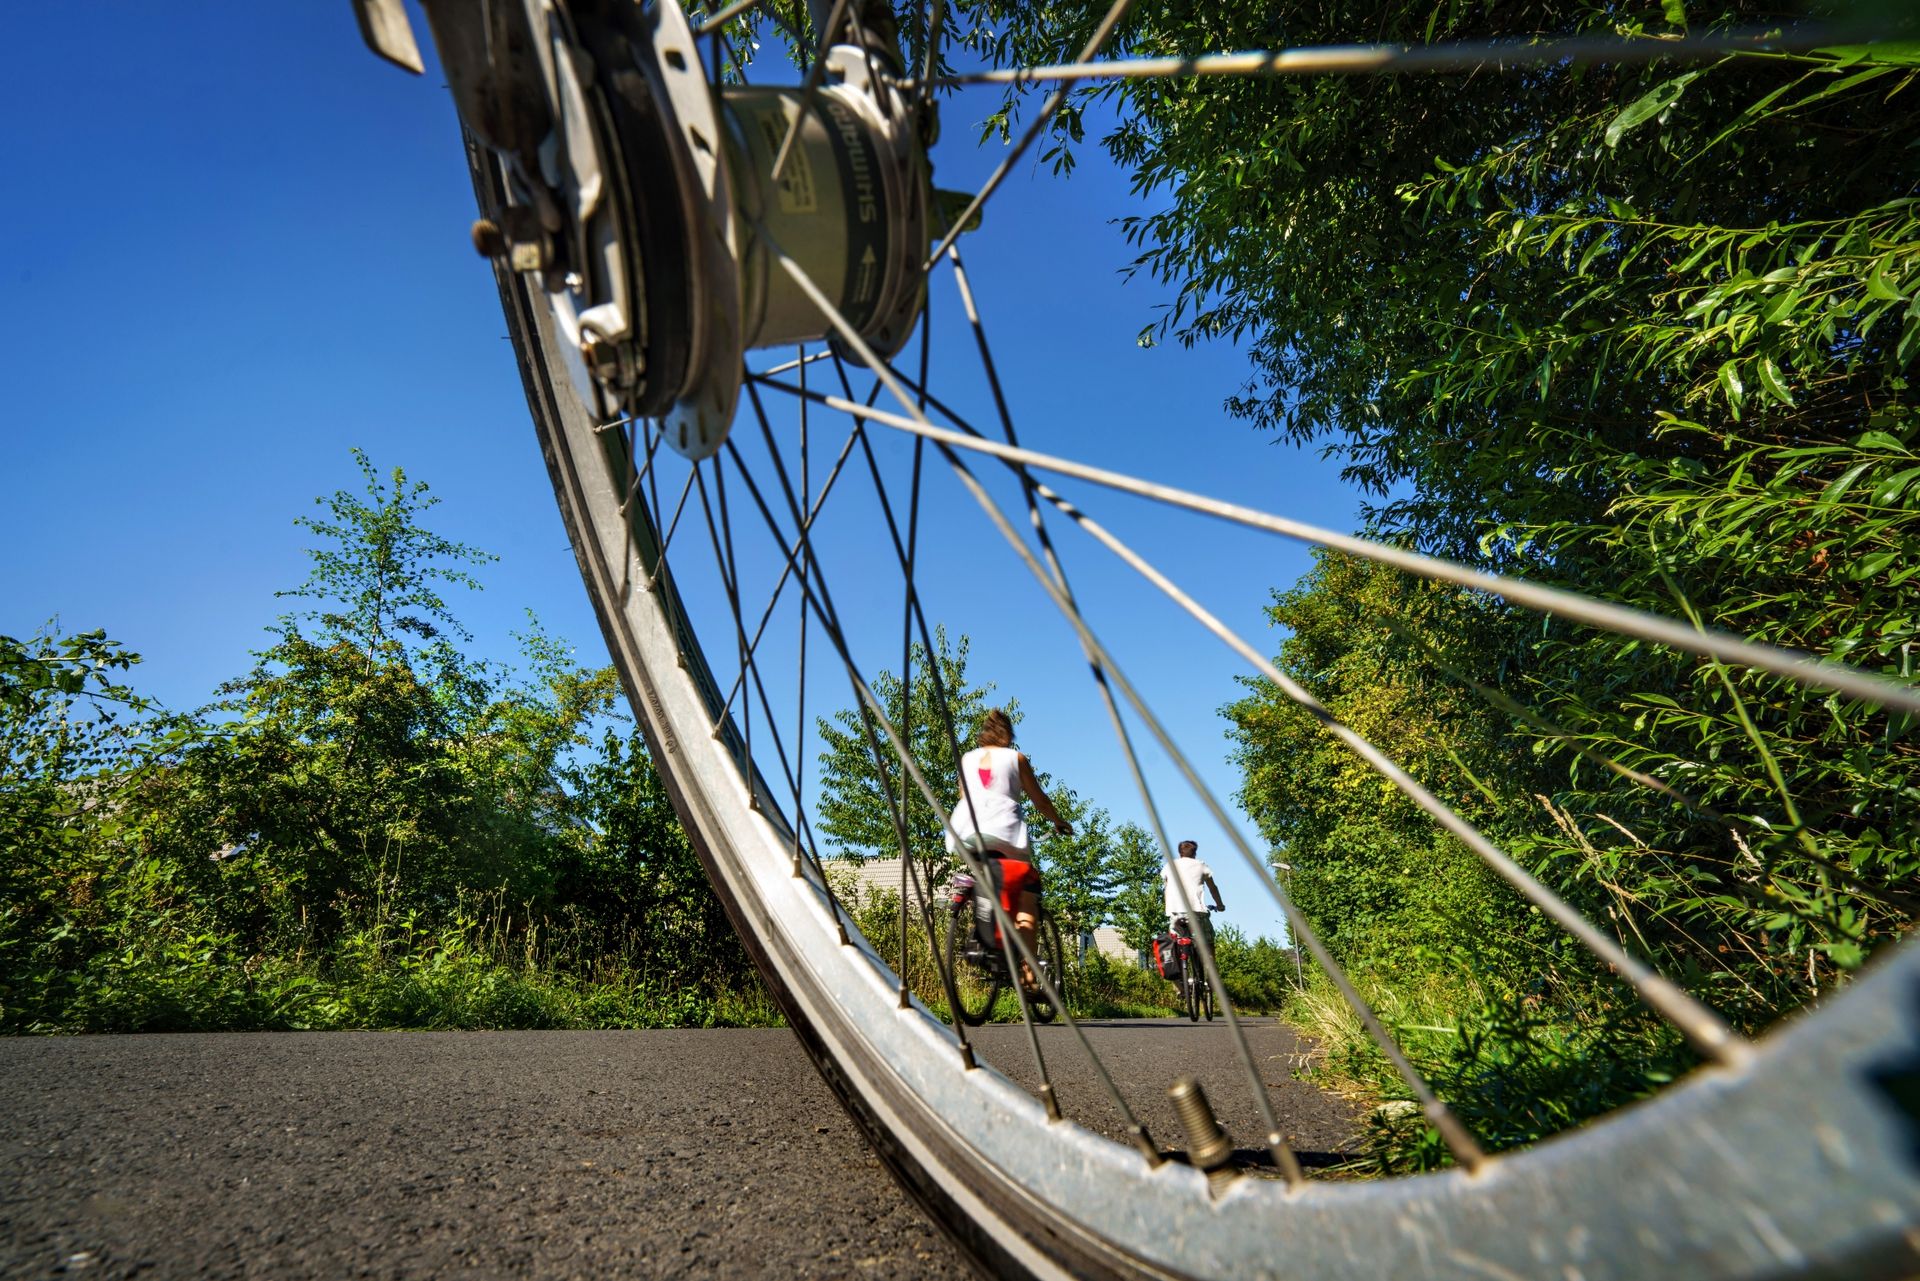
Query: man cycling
(1193, 875)
(995, 781)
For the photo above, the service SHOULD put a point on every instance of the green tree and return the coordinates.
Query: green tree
(371, 829)
(1077, 870)
(853, 812)
(637, 879)
(366, 763)
(1259, 975)
(70, 729)
(1370, 870)
(1138, 897)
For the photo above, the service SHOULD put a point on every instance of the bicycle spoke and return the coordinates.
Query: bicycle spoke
(906, 650)
(660, 560)
(1462, 1143)
(1283, 1155)
(1034, 127)
(809, 86)
(930, 57)
(1816, 673)
(1374, 58)
(880, 371)
(641, 477)
(790, 365)
(791, 561)
(800, 681)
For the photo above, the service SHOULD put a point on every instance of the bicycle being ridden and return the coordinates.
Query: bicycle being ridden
(1189, 918)
(995, 781)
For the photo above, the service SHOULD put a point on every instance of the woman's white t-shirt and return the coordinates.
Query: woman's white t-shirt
(990, 777)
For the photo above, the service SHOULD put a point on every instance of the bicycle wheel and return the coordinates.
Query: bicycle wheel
(1190, 989)
(974, 987)
(1053, 965)
(1810, 1163)
(1206, 997)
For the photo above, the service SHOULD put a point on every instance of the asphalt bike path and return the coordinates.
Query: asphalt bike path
(1146, 1056)
(528, 1154)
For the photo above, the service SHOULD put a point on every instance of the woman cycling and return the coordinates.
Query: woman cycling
(994, 780)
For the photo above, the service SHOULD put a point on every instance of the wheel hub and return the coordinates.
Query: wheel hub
(641, 199)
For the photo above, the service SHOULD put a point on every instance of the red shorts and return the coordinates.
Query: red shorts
(1015, 877)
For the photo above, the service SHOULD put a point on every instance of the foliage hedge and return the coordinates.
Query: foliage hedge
(369, 829)
(1647, 332)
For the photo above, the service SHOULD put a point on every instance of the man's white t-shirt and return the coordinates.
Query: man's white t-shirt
(1192, 873)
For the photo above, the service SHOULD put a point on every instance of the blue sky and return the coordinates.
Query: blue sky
(239, 249)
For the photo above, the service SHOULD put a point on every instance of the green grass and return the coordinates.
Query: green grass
(398, 975)
(1514, 1069)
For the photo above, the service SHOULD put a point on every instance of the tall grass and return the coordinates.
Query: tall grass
(1515, 1069)
(483, 967)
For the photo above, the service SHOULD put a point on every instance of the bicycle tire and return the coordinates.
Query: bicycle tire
(1053, 956)
(1814, 1153)
(960, 929)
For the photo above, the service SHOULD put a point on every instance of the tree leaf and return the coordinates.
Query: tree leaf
(1878, 286)
(1774, 384)
(1838, 489)
(1871, 565)
(1889, 490)
(1730, 382)
(1648, 106)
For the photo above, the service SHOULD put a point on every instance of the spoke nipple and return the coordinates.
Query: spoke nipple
(1144, 1142)
(966, 1056)
(1053, 1104)
(1207, 1144)
(530, 255)
(1285, 1160)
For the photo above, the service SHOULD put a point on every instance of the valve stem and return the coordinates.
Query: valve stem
(1207, 1144)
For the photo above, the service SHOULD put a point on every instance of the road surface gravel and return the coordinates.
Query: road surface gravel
(527, 1154)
